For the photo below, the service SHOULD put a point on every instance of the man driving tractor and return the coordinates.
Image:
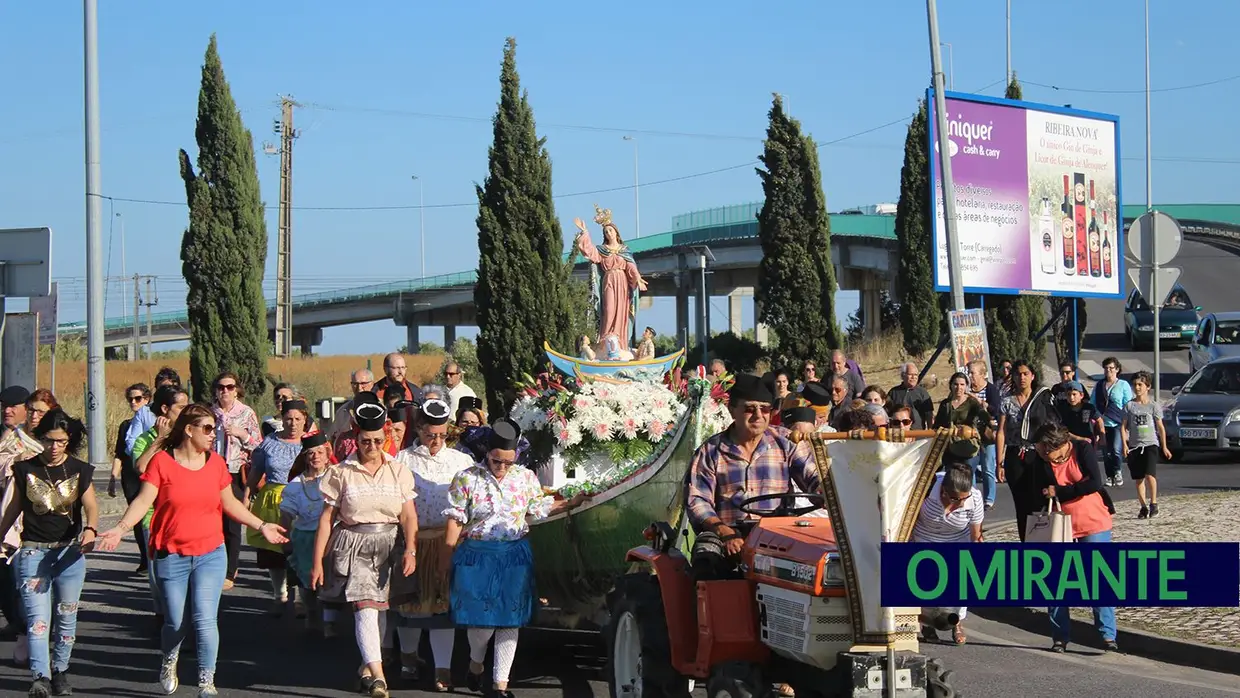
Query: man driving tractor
(747, 461)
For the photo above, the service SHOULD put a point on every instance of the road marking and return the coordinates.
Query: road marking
(1121, 663)
(1177, 364)
(1092, 369)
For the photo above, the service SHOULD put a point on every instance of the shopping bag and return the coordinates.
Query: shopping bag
(1049, 526)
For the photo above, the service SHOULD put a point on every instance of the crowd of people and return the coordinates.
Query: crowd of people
(410, 510)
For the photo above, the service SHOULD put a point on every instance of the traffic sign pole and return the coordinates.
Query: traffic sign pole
(1157, 303)
(1155, 239)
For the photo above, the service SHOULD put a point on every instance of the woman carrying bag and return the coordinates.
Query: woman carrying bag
(1067, 472)
(1022, 415)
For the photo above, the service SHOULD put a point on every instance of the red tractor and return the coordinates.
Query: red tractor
(783, 617)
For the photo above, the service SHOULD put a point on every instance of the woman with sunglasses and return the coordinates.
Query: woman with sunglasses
(237, 434)
(960, 408)
(1068, 471)
(56, 500)
(1022, 414)
(366, 499)
(270, 465)
(190, 487)
(1111, 396)
(492, 588)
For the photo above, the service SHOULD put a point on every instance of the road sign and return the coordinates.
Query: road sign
(25, 262)
(46, 308)
(1150, 250)
(21, 354)
(1142, 276)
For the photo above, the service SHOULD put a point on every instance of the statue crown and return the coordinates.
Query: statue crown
(602, 216)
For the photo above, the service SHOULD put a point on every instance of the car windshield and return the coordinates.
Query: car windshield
(1178, 300)
(1217, 378)
(1228, 332)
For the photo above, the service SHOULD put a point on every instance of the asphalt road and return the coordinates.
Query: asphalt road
(115, 655)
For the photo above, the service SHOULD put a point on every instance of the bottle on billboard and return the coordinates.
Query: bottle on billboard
(1106, 247)
(1095, 236)
(1046, 235)
(1068, 230)
(1082, 239)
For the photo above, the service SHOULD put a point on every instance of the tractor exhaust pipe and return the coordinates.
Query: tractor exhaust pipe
(940, 618)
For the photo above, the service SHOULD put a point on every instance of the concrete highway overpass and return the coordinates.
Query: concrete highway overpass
(864, 249)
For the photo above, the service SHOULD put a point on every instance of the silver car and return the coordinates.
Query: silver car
(1217, 337)
(1204, 415)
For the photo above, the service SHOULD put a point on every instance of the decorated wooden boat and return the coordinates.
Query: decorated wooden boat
(649, 369)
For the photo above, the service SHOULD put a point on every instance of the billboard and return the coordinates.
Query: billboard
(1037, 198)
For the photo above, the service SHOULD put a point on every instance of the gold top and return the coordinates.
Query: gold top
(602, 216)
(52, 498)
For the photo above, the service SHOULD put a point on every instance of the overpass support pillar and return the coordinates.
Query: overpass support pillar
(307, 338)
(760, 334)
(734, 315)
(683, 286)
(449, 337)
(870, 286)
(412, 341)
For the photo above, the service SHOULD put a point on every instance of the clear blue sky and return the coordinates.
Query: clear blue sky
(400, 88)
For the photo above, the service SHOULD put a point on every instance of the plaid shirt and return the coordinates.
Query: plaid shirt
(720, 478)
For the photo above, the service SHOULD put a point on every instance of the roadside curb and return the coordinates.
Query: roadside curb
(1136, 642)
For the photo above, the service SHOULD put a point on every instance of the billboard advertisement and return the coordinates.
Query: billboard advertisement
(1037, 198)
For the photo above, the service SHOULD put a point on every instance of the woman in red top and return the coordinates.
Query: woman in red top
(191, 489)
(1068, 470)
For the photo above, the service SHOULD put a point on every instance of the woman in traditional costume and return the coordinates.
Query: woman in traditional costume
(434, 466)
(492, 591)
(301, 506)
(271, 462)
(370, 495)
(616, 300)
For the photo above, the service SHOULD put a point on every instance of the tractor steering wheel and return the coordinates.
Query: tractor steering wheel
(786, 501)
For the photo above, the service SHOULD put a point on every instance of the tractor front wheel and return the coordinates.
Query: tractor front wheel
(639, 657)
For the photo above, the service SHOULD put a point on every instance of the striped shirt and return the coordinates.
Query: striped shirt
(721, 478)
(935, 525)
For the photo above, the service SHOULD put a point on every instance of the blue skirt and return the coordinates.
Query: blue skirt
(492, 584)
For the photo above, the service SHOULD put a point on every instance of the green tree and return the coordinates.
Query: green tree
(224, 249)
(524, 296)
(1013, 320)
(920, 316)
(796, 280)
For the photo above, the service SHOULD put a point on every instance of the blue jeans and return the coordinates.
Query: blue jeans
(51, 584)
(1104, 618)
(1113, 451)
(178, 575)
(157, 599)
(983, 464)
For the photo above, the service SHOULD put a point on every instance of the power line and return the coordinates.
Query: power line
(1176, 88)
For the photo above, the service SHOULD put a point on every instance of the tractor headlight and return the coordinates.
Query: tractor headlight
(833, 571)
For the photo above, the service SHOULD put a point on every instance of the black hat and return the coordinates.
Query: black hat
(14, 395)
(817, 394)
(750, 387)
(469, 402)
(295, 404)
(369, 416)
(435, 412)
(797, 414)
(505, 435)
(318, 438)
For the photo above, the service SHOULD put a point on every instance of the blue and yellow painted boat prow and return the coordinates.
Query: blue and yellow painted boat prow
(647, 370)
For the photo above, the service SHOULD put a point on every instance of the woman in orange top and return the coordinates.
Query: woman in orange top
(1068, 470)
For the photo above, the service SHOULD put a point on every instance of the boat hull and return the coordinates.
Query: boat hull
(649, 370)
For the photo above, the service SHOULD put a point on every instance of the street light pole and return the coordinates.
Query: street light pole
(637, 204)
(96, 388)
(421, 223)
(950, 229)
(951, 65)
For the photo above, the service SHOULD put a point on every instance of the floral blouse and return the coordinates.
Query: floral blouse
(235, 451)
(496, 510)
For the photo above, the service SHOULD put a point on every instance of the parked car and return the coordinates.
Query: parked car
(1204, 416)
(1217, 336)
(1178, 319)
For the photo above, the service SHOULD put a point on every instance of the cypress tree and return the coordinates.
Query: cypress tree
(224, 249)
(920, 315)
(523, 296)
(795, 241)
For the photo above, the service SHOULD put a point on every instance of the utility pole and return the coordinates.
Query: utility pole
(152, 298)
(945, 166)
(96, 385)
(284, 245)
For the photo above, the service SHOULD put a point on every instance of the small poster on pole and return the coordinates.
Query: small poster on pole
(969, 342)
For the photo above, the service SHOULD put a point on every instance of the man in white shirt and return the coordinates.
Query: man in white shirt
(455, 377)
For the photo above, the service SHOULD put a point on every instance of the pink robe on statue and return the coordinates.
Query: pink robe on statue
(619, 279)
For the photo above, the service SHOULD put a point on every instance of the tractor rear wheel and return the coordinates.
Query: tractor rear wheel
(639, 655)
(938, 682)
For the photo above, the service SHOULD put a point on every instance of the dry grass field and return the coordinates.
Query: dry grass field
(881, 359)
(316, 377)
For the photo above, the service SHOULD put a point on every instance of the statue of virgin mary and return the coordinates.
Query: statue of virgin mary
(615, 295)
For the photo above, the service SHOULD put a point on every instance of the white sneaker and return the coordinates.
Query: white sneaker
(21, 650)
(1119, 480)
(206, 684)
(168, 680)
